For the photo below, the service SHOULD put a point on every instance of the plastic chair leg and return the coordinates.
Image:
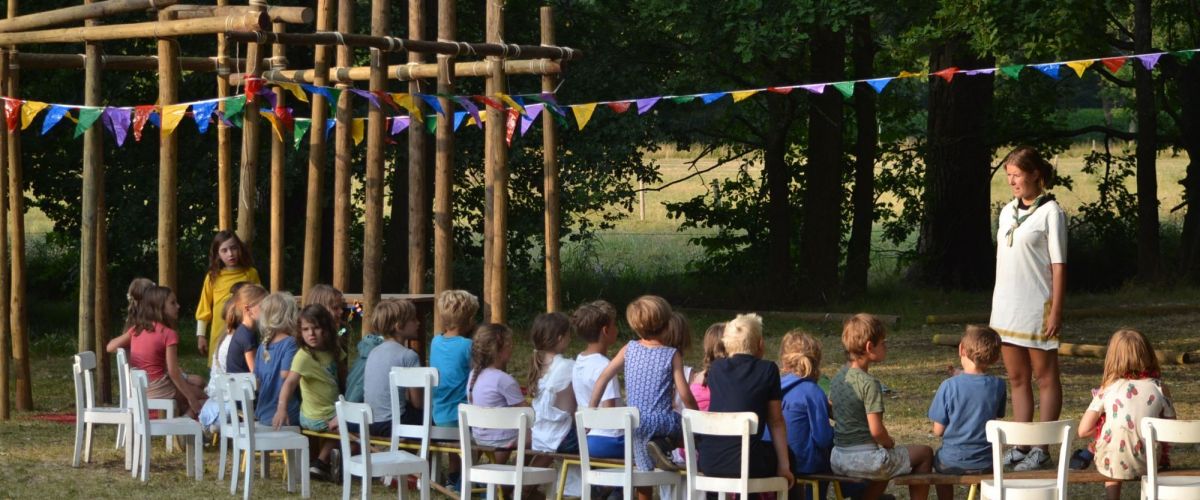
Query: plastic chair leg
(972, 492)
(79, 425)
(221, 459)
(120, 437)
(249, 476)
(236, 469)
(366, 483)
(198, 455)
(127, 439)
(305, 492)
(87, 443)
(291, 478)
(346, 480)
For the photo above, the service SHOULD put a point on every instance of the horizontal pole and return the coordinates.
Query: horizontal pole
(393, 44)
(78, 13)
(1165, 356)
(405, 72)
(154, 29)
(119, 62)
(289, 15)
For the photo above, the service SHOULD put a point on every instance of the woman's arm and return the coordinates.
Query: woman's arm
(779, 440)
(1058, 290)
(681, 385)
(291, 380)
(1087, 424)
(617, 364)
(119, 342)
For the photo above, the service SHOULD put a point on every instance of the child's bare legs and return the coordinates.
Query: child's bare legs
(921, 458)
(327, 446)
(647, 493)
(945, 492)
(873, 491)
(1112, 490)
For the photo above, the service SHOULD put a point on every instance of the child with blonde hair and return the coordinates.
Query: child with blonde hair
(805, 406)
(397, 319)
(278, 323)
(450, 352)
(549, 385)
(490, 386)
(1130, 391)
(242, 319)
(596, 324)
(862, 447)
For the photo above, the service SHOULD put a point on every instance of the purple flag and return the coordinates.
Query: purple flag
(117, 122)
(265, 94)
(816, 88)
(202, 112)
(975, 72)
(399, 123)
(471, 108)
(644, 105)
(372, 98)
(531, 113)
(1149, 60)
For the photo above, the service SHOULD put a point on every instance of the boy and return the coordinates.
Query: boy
(861, 445)
(397, 319)
(743, 381)
(963, 405)
(450, 353)
(596, 323)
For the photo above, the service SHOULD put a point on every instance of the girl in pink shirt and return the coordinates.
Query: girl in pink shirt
(153, 347)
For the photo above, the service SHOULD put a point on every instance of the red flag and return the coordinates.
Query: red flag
(386, 98)
(619, 106)
(141, 114)
(1113, 64)
(946, 74)
(12, 113)
(780, 90)
(488, 101)
(511, 124)
(286, 119)
(253, 85)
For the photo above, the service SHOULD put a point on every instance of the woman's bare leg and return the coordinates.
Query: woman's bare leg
(1020, 373)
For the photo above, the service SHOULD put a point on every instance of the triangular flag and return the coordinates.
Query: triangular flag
(489, 102)
(618, 107)
(334, 95)
(532, 111)
(371, 98)
(510, 125)
(202, 113)
(946, 74)
(1012, 71)
(141, 114)
(430, 124)
(1079, 66)
(1049, 69)
(879, 84)
(406, 101)
(12, 113)
(1185, 55)
(909, 74)
(330, 123)
(816, 88)
(1149, 60)
(117, 122)
(30, 111)
(234, 108)
(87, 117)
(53, 116)
(644, 105)
(302, 127)
(275, 125)
(295, 90)
(682, 99)
(511, 103)
(358, 128)
(171, 116)
(253, 85)
(270, 97)
(742, 94)
(399, 123)
(458, 119)
(286, 118)
(1113, 64)
(780, 90)
(982, 71)
(846, 88)
(471, 108)
(433, 103)
(583, 113)
(710, 97)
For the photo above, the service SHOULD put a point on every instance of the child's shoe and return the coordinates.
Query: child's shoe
(660, 450)
(1034, 460)
(1081, 459)
(1012, 457)
(319, 470)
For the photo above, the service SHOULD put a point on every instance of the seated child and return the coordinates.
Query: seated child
(805, 406)
(596, 324)
(963, 405)
(277, 324)
(243, 339)
(713, 350)
(209, 413)
(450, 353)
(397, 319)
(679, 336)
(315, 370)
(490, 386)
(862, 447)
(550, 386)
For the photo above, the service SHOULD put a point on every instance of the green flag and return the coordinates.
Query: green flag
(301, 128)
(683, 98)
(846, 88)
(87, 117)
(1012, 71)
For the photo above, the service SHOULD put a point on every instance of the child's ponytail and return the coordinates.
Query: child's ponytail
(547, 331)
(489, 340)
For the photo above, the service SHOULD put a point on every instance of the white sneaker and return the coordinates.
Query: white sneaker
(1035, 459)
(1013, 456)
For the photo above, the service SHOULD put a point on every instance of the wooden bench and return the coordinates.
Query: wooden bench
(1073, 477)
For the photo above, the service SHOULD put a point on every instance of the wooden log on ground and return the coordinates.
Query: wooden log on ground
(287, 15)
(343, 143)
(168, 164)
(316, 155)
(18, 321)
(1080, 313)
(497, 152)
(393, 44)
(373, 223)
(224, 137)
(72, 15)
(120, 62)
(443, 183)
(278, 164)
(158, 29)
(251, 136)
(5, 337)
(406, 72)
(1165, 356)
(550, 179)
(889, 320)
(418, 211)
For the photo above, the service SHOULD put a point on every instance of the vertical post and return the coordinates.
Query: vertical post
(550, 174)
(418, 198)
(102, 315)
(168, 159)
(4, 270)
(343, 144)
(641, 200)
(443, 220)
(224, 140)
(93, 157)
(373, 227)
(497, 152)
(18, 323)
(251, 137)
(316, 153)
(278, 162)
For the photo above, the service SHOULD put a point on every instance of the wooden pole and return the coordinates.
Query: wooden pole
(316, 154)
(406, 72)
(251, 134)
(418, 199)
(287, 15)
(443, 190)
(93, 156)
(550, 179)
(393, 44)
(278, 163)
(103, 315)
(1083, 313)
(497, 153)
(5, 338)
(343, 151)
(160, 29)
(224, 138)
(18, 322)
(373, 226)
(71, 15)
(122, 62)
(168, 163)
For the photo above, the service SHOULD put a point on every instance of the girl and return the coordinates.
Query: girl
(550, 385)
(655, 367)
(1129, 391)
(488, 385)
(805, 405)
(713, 350)
(152, 343)
(314, 369)
(333, 301)
(229, 262)
(273, 360)
(242, 319)
(137, 289)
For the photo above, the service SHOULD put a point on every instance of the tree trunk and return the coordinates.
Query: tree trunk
(395, 255)
(955, 246)
(1188, 88)
(821, 234)
(858, 253)
(778, 270)
(1147, 149)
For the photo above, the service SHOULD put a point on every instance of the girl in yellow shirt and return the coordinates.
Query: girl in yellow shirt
(229, 262)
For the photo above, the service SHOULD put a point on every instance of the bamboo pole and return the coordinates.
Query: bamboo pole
(287, 15)
(1165, 356)
(443, 190)
(224, 138)
(5, 338)
(168, 163)
(93, 156)
(71, 15)
(343, 145)
(18, 322)
(316, 155)
(251, 135)
(120, 62)
(550, 179)
(497, 152)
(373, 225)
(103, 316)
(418, 199)
(393, 44)
(160, 29)
(406, 72)
(278, 164)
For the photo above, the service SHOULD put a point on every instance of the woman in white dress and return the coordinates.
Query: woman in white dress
(1027, 302)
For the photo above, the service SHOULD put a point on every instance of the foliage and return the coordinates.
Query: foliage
(1104, 232)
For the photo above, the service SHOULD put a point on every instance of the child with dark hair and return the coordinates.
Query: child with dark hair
(153, 347)
(315, 370)
(229, 262)
(490, 386)
(550, 385)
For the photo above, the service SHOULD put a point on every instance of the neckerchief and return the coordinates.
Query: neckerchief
(1037, 202)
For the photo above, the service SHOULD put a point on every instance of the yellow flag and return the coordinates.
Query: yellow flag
(171, 116)
(406, 101)
(1079, 67)
(742, 94)
(274, 123)
(583, 113)
(29, 111)
(908, 74)
(295, 89)
(511, 103)
(357, 129)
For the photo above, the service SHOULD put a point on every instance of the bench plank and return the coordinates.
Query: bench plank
(1073, 476)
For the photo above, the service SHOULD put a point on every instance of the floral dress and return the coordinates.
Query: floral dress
(648, 384)
(1120, 451)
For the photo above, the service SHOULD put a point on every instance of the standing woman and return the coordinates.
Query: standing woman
(1027, 303)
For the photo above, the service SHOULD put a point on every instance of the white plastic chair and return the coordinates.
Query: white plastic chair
(247, 436)
(1158, 430)
(224, 419)
(519, 475)
(626, 419)
(1003, 434)
(165, 405)
(87, 414)
(369, 465)
(741, 424)
(144, 429)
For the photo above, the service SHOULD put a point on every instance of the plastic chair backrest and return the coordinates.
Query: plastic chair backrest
(519, 418)
(83, 365)
(138, 402)
(123, 377)
(1161, 430)
(424, 378)
(1002, 434)
(241, 393)
(358, 414)
(625, 418)
(740, 424)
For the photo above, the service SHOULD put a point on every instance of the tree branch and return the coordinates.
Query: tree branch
(720, 163)
(1116, 81)
(1112, 19)
(1063, 134)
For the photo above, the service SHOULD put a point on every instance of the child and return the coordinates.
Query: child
(490, 386)
(805, 406)
(137, 289)
(277, 323)
(315, 369)
(210, 412)
(152, 343)
(397, 319)
(713, 350)
(243, 319)
(450, 353)
(655, 368)
(596, 324)
(333, 301)
(229, 261)
(963, 405)
(1131, 389)
(549, 384)
(679, 336)
(743, 381)
(862, 446)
